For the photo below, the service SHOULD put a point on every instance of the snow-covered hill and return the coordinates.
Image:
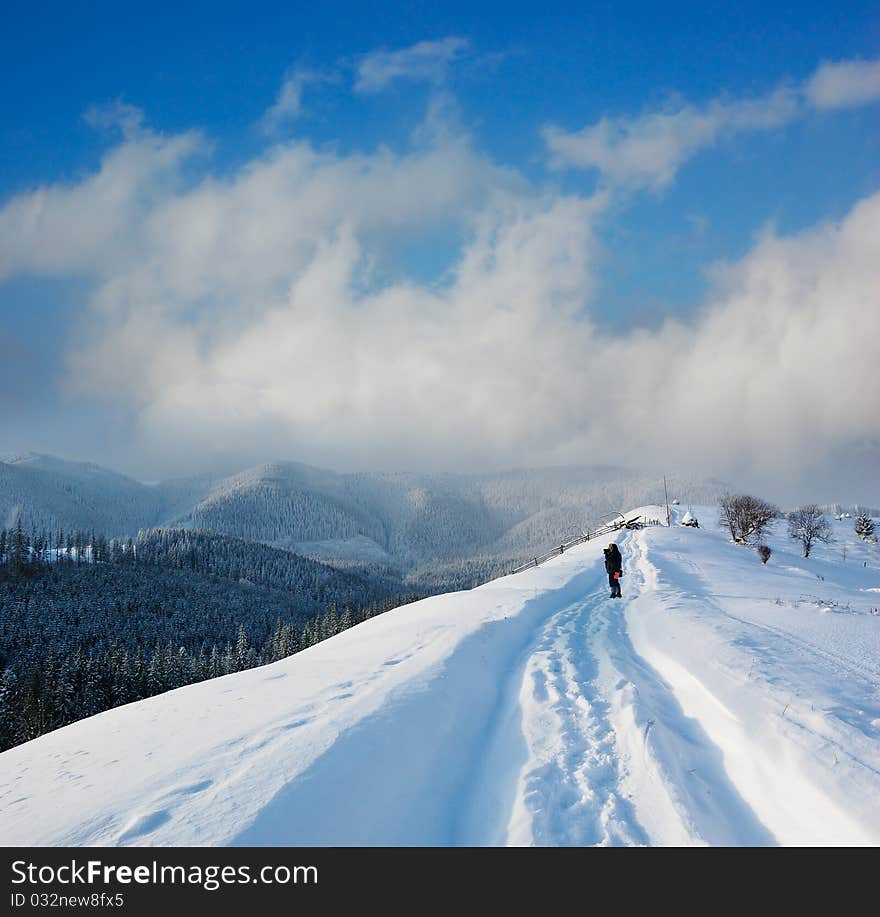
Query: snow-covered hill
(719, 702)
(51, 493)
(402, 522)
(412, 520)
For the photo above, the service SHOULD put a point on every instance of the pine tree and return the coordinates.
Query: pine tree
(18, 551)
(864, 526)
(33, 713)
(64, 699)
(170, 674)
(227, 661)
(182, 667)
(122, 682)
(214, 663)
(96, 690)
(9, 708)
(244, 654)
(155, 681)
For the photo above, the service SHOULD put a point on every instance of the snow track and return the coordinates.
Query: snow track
(613, 758)
(570, 790)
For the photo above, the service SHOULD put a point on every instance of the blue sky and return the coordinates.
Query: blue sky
(569, 109)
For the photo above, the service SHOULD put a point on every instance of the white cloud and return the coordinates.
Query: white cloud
(646, 151)
(242, 315)
(845, 84)
(427, 60)
(118, 115)
(74, 228)
(288, 104)
(776, 372)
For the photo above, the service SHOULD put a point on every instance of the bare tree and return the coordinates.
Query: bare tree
(807, 524)
(746, 517)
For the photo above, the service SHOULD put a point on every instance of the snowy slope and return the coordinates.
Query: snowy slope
(720, 702)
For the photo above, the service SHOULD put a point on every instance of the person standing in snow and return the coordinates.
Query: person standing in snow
(614, 567)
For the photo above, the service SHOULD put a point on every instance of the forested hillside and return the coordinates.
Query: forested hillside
(317, 585)
(105, 622)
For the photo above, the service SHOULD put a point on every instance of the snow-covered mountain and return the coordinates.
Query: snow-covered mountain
(52, 493)
(719, 702)
(403, 521)
(415, 519)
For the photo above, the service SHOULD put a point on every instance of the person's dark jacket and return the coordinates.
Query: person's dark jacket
(613, 559)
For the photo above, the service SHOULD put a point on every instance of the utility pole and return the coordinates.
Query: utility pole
(666, 494)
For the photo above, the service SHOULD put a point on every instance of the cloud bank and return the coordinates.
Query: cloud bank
(249, 314)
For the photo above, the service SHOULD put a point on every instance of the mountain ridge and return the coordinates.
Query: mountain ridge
(413, 519)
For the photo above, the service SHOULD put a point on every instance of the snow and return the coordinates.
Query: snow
(714, 704)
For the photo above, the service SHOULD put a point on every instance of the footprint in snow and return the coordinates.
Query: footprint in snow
(191, 789)
(539, 686)
(297, 724)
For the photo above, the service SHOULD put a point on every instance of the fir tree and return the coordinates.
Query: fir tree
(864, 526)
